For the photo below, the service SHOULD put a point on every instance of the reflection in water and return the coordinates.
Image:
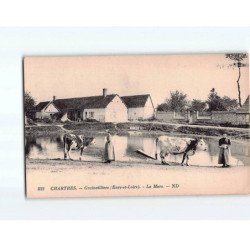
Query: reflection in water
(51, 147)
(120, 145)
(30, 144)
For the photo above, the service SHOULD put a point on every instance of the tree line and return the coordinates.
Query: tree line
(29, 102)
(179, 102)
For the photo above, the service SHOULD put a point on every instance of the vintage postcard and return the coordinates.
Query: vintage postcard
(137, 125)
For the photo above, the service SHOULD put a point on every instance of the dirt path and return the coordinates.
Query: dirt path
(64, 129)
(59, 178)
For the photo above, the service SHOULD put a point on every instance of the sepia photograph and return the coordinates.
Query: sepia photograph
(124, 123)
(136, 125)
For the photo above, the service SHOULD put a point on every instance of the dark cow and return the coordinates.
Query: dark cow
(77, 142)
(166, 145)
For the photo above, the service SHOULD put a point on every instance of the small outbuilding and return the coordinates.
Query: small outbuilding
(140, 107)
(45, 110)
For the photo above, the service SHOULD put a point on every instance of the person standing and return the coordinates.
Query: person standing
(224, 154)
(109, 152)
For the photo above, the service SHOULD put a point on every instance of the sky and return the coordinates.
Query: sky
(194, 75)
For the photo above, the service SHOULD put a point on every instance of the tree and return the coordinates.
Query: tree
(237, 58)
(29, 102)
(217, 103)
(163, 107)
(214, 101)
(229, 104)
(198, 105)
(176, 102)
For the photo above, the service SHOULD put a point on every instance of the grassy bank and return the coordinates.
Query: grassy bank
(158, 127)
(43, 130)
(144, 127)
(213, 132)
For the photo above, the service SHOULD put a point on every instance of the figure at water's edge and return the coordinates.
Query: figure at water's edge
(109, 152)
(225, 152)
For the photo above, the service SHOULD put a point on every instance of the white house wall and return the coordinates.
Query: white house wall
(148, 110)
(50, 108)
(99, 114)
(47, 112)
(116, 111)
(135, 114)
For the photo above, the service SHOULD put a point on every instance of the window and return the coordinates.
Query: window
(91, 114)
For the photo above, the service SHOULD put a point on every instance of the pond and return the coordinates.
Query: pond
(51, 147)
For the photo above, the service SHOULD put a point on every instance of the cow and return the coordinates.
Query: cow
(78, 142)
(166, 145)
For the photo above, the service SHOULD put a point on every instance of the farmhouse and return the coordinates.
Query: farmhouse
(45, 110)
(140, 107)
(103, 108)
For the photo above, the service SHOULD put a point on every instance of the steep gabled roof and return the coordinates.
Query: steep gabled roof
(245, 107)
(40, 106)
(135, 101)
(91, 102)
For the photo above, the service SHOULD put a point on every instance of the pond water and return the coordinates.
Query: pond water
(51, 147)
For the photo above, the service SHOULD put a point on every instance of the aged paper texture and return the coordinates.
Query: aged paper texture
(136, 125)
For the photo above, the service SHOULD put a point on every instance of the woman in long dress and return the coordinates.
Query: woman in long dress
(225, 153)
(109, 152)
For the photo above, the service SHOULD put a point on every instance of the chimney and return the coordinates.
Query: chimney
(54, 98)
(105, 91)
